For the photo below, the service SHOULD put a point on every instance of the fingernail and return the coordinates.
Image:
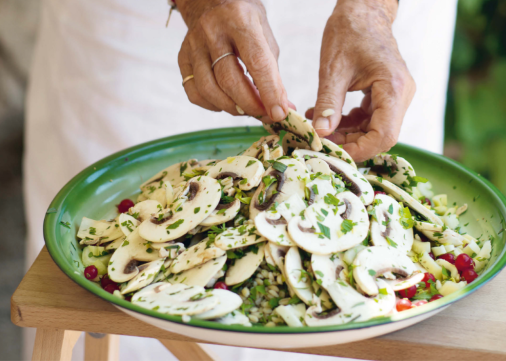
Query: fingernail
(239, 109)
(322, 123)
(277, 113)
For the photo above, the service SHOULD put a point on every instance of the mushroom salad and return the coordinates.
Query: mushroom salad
(290, 232)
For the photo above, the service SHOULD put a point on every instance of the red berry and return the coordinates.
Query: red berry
(469, 275)
(419, 303)
(379, 192)
(128, 298)
(403, 304)
(111, 288)
(427, 201)
(423, 238)
(428, 276)
(408, 292)
(221, 286)
(90, 272)
(435, 297)
(447, 257)
(125, 205)
(464, 262)
(432, 255)
(105, 280)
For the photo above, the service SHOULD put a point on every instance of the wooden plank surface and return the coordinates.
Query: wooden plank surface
(189, 351)
(471, 328)
(52, 344)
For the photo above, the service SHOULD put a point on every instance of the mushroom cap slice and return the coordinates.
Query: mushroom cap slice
(196, 255)
(292, 314)
(145, 209)
(266, 148)
(178, 299)
(331, 148)
(234, 318)
(93, 232)
(229, 302)
(200, 275)
(330, 228)
(353, 179)
(288, 183)
(239, 167)
(374, 261)
(393, 168)
(187, 212)
(291, 207)
(440, 234)
(299, 126)
(273, 227)
(172, 174)
(290, 143)
(127, 223)
(318, 188)
(317, 165)
(134, 249)
(238, 237)
(115, 244)
(159, 191)
(244, 267)
(386, 227)
(327, 268)
(295, 277)
(403, 196)
(222, 213)
(146, 275)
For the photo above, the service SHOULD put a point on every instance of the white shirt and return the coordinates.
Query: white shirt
(105, 77)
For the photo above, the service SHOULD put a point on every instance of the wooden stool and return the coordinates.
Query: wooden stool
(48, 300)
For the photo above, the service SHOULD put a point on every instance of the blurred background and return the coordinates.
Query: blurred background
(475, 127)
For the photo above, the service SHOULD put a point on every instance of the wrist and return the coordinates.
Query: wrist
(385, 8)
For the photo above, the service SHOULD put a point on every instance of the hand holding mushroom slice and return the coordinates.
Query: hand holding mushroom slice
(266, 148)
(146, 275)
(176, 299)
(196, 255)
(299, 126)
(229, 302)
(187, 211)
(351, 177)
(200, 275)
(93, 232)
(297, 277)
(248, 169)
(375, 261)
(403, 196)
(282, 180)
(326, 268)
(331, 148)
(173, 174)
(393, 168)
(386, 227)
(244, 267)
(273, 227)
(222, 213)
(440, 234)
(238, 237)
(124, 261)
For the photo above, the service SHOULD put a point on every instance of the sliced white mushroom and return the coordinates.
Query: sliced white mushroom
(331, 228)
(146, 275)
(127, 223)
(299, 126)
(229, 302)
(273, 227)
(353, 179)
(173, 173)
(238, 237)
(386, 227)
(318, 188)
(187, 211)
(440, 234)
(393, 168)
(178, 299)
(222, 213)
(297, 277)
(337, 151)
(279, 183)
(200, 275)
(115, 244)
(326, 268)
(290, 143)
(266, 148)
(404, 197)
(293, 315)
(160, 191)
(317, 165)
(234, 318)
(244, 267)
(124, 261)
(144, 210)
(196, 255)
(93, 232)
(239, 167)
(291, 207)
(375, 261)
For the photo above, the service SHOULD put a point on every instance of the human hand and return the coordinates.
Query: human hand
(217, 27)
(359, 52)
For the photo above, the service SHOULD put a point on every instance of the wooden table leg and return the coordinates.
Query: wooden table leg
(101, 347)
(189, 351)
(52, 344)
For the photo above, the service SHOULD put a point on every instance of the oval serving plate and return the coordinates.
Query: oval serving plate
(96, 190)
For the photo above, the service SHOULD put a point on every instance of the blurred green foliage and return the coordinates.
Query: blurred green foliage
(476, 110)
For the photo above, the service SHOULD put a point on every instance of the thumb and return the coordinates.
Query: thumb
(329, 104)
